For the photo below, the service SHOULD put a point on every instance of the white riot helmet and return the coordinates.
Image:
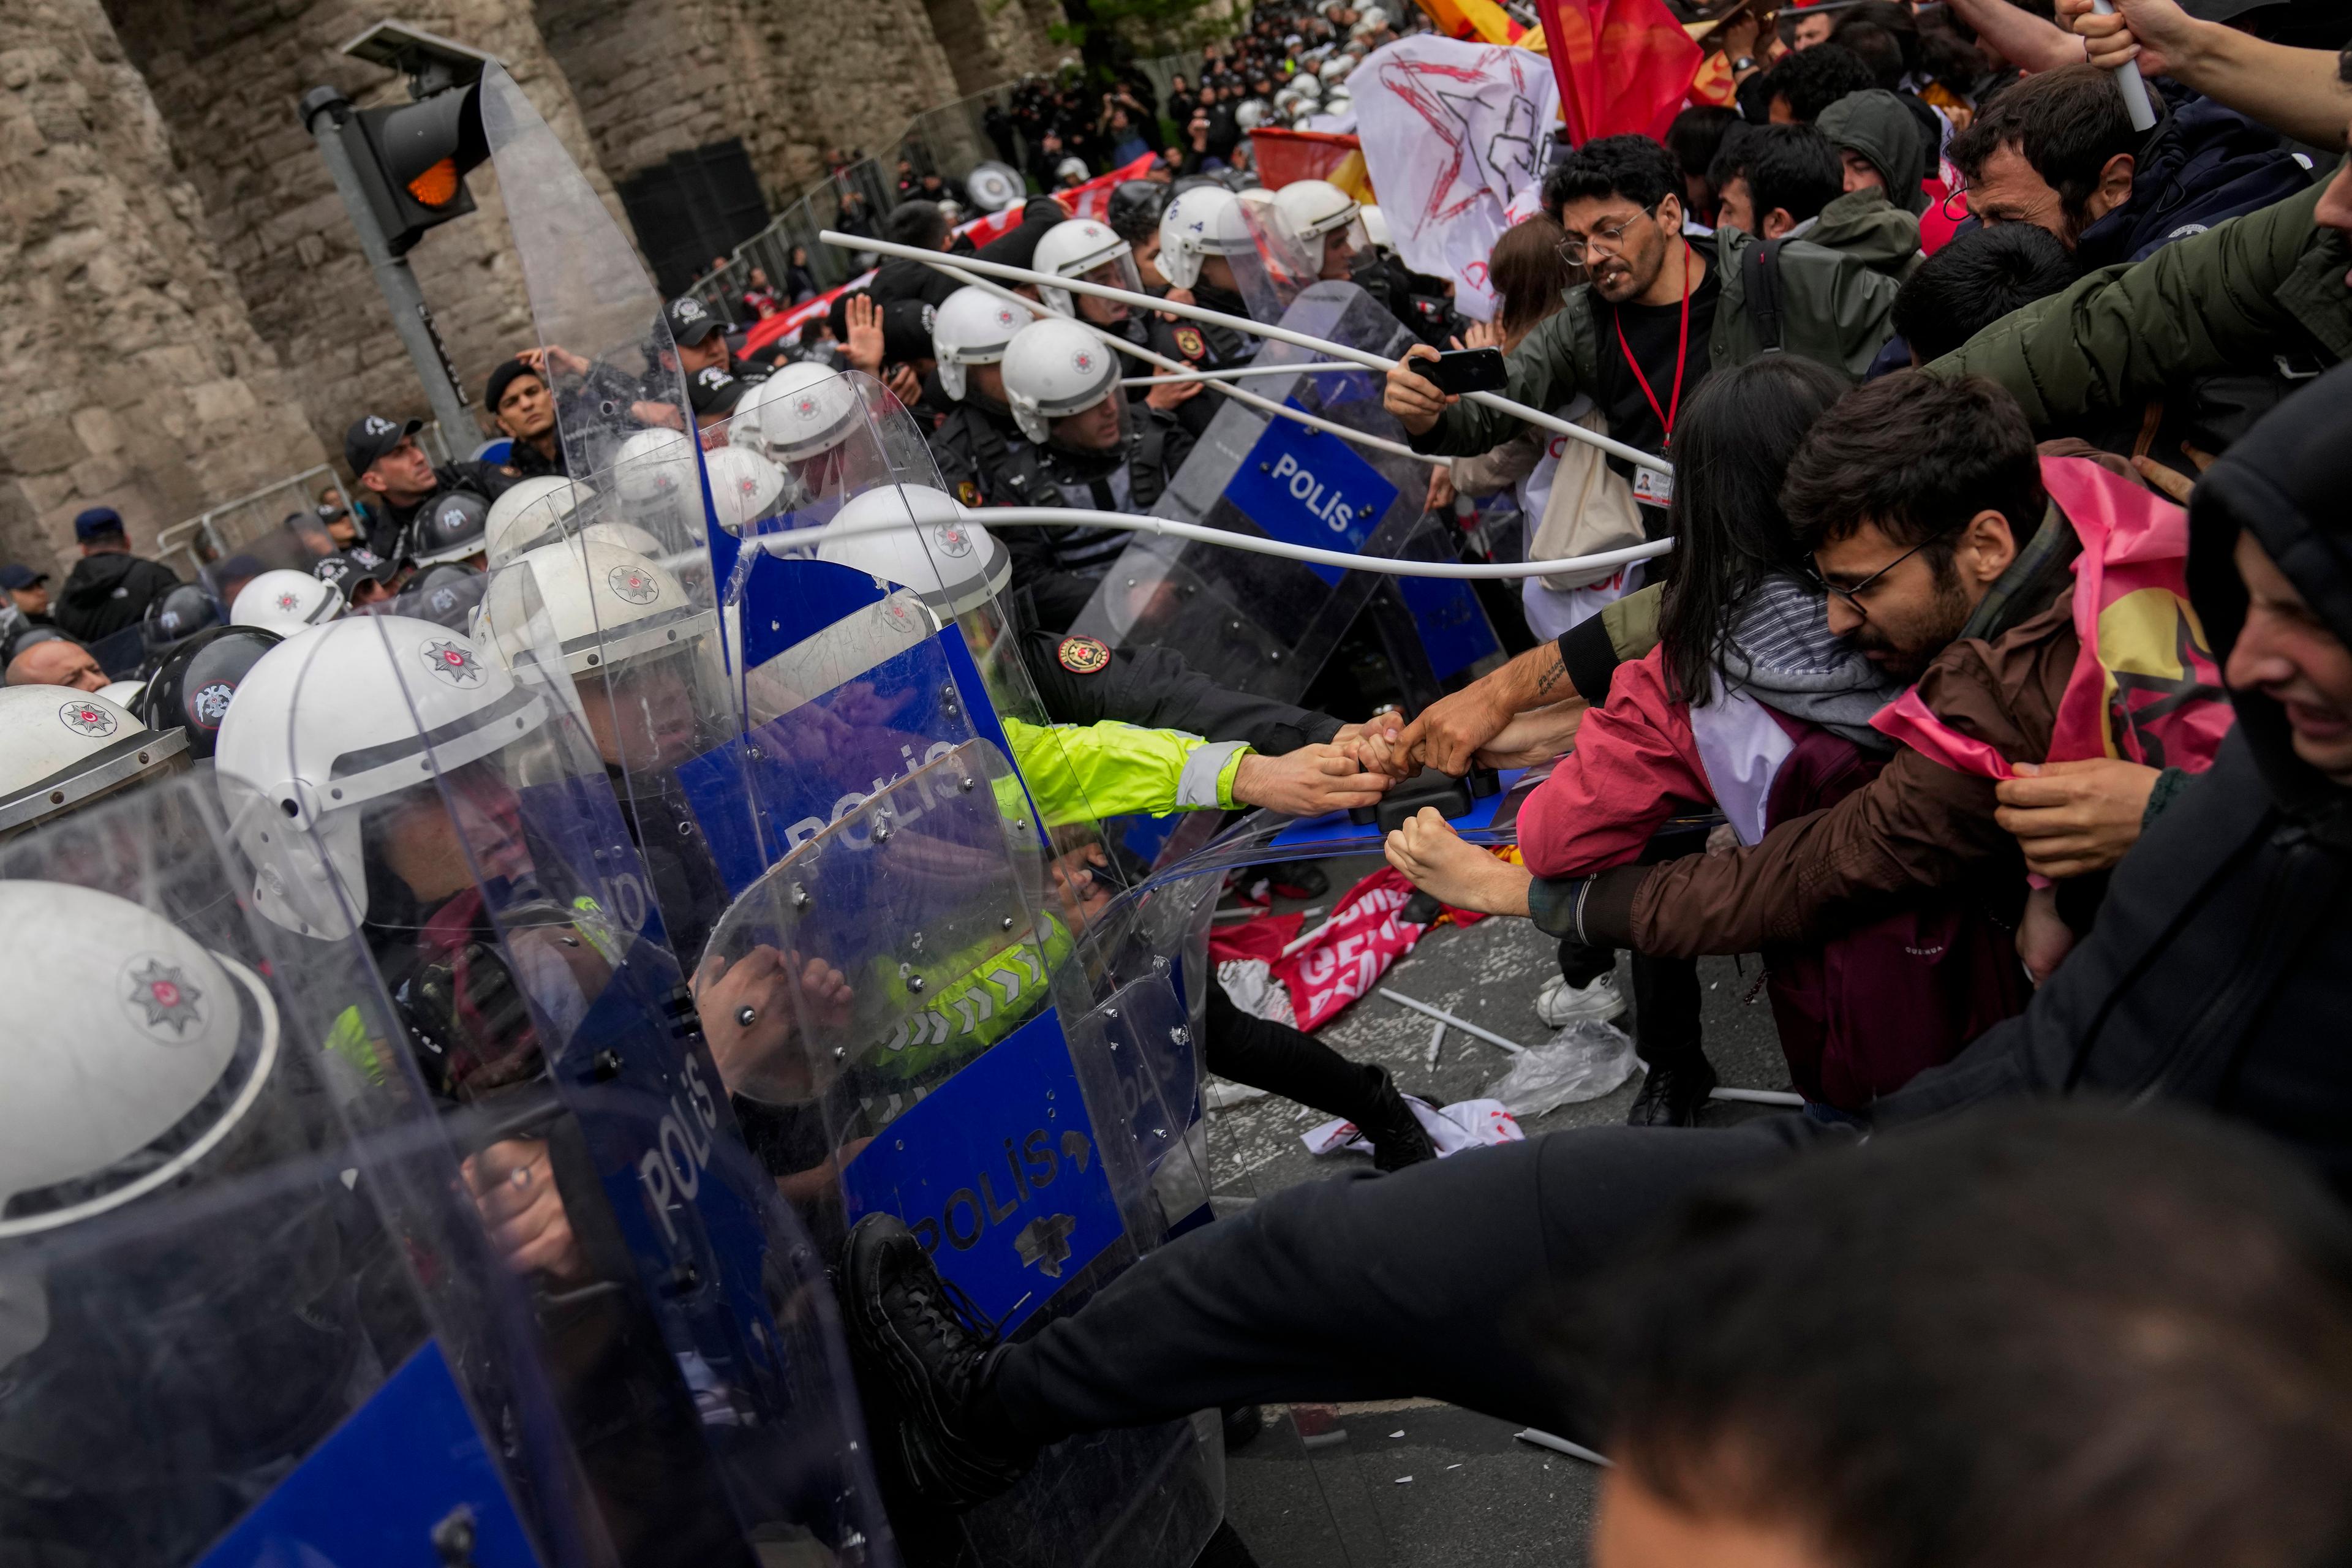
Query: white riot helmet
(529, 513)
(146, 1051)
(1082, 247)
(950, 562)
(744, 487)
(1311, 211)
(1204, 221)
(1251, 115)
(625, 535)
(123, 694)
(62, 749)
(972, 326)
(654, 466)
(1335, 69)
(801, 412)
(285, 602)
(606, 606)
(1056, 367)
(1308, 85)
(325, 727)
(1070, 171)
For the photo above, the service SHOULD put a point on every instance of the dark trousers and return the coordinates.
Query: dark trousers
(1375, 1287)
(1665, 998)
(1286, 1061)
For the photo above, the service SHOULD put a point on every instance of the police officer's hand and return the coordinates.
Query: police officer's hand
(2071, 818)
(1309, 782)
(538, 360)
(513, 1187)
(905, 385)
(1083, 894)
(1179, 297)
(1415, 400)
(1167, 394)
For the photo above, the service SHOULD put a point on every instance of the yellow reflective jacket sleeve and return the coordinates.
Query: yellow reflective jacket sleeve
(1078, 772)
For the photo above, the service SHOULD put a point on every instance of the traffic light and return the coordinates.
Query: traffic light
(413, 159)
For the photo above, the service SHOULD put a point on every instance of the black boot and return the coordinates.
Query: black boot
(1398, 1137)
(1671, 1093)
(926, 1340)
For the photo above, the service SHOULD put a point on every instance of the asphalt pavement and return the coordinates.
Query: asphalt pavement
(1414, 1483)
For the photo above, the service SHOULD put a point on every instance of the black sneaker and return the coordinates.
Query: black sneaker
(934, 1346)
(1397, 1135)
(1671, 1093)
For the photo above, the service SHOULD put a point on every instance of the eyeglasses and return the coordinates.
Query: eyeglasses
(1852, 595)
(1572, 251)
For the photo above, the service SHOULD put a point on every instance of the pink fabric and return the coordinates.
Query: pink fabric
(1634, 762)
(1350, 952)
(2147, 688)
(1909, 720)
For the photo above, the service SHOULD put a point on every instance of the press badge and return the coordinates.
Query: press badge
(1652, 488)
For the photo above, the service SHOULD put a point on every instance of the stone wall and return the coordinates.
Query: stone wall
(227, 75)
(135, 377)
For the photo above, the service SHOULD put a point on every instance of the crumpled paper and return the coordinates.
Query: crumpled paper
(1584, 1062)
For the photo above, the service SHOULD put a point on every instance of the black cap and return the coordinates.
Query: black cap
(347, 569)
(494, 389)
(907, 330)
(689, 321)
(712, 390)
(371, 437)
(17, 575)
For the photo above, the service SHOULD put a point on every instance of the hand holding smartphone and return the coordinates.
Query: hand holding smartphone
(1458, 370)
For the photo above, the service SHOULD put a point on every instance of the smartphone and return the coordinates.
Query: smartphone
(1466, 370)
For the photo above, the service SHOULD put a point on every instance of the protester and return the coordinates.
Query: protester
(1694, 138)
(2272, 283)
(2028, 1340)
(2211, 978)
(1971, 283)
(1805, 83)
(109, 588)
(2059, 150)
(48, 659)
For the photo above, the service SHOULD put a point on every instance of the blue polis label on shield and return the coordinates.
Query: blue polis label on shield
(1304, 487)
(998, 1174)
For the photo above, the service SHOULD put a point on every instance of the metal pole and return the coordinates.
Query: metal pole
(325, 114)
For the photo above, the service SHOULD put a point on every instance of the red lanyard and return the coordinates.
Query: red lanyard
(1682, 354)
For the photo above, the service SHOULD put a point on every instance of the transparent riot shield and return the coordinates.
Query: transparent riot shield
(912, 859)
(1267, 625)
(245, 1314)
(450, 811)
(611, 362)
(1277, 268)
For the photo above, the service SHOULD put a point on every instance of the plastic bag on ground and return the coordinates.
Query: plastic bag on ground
(1466, 1124)
(1584, 1062)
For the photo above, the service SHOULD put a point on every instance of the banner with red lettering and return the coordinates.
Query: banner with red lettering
(1341, 959)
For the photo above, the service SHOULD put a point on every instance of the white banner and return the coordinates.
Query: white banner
(1453, 132)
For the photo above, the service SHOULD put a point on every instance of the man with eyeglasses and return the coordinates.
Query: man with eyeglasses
(1655, 315)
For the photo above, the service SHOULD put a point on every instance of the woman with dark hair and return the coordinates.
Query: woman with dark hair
(1748, 706)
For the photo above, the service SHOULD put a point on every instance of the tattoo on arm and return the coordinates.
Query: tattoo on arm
(1553, 676)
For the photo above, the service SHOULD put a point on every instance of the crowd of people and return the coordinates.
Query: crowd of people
(1997, 689)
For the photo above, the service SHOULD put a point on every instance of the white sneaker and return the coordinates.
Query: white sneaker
(1559, 1004)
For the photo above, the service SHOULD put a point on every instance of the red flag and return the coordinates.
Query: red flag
(1624, 66)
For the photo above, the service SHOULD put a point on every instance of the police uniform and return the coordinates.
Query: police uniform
(1083, 680)
(387, 525)
(1058, 567)
(962, 444)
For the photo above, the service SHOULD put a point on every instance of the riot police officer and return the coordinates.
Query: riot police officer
(1084, 249)
(62, 750)
(969, 337)
(1084, 445)
(399, 479)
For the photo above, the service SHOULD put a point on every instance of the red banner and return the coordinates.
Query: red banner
(1624, 66)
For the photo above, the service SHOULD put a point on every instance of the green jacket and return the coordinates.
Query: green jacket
(2267, 283)
(1837, 289)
